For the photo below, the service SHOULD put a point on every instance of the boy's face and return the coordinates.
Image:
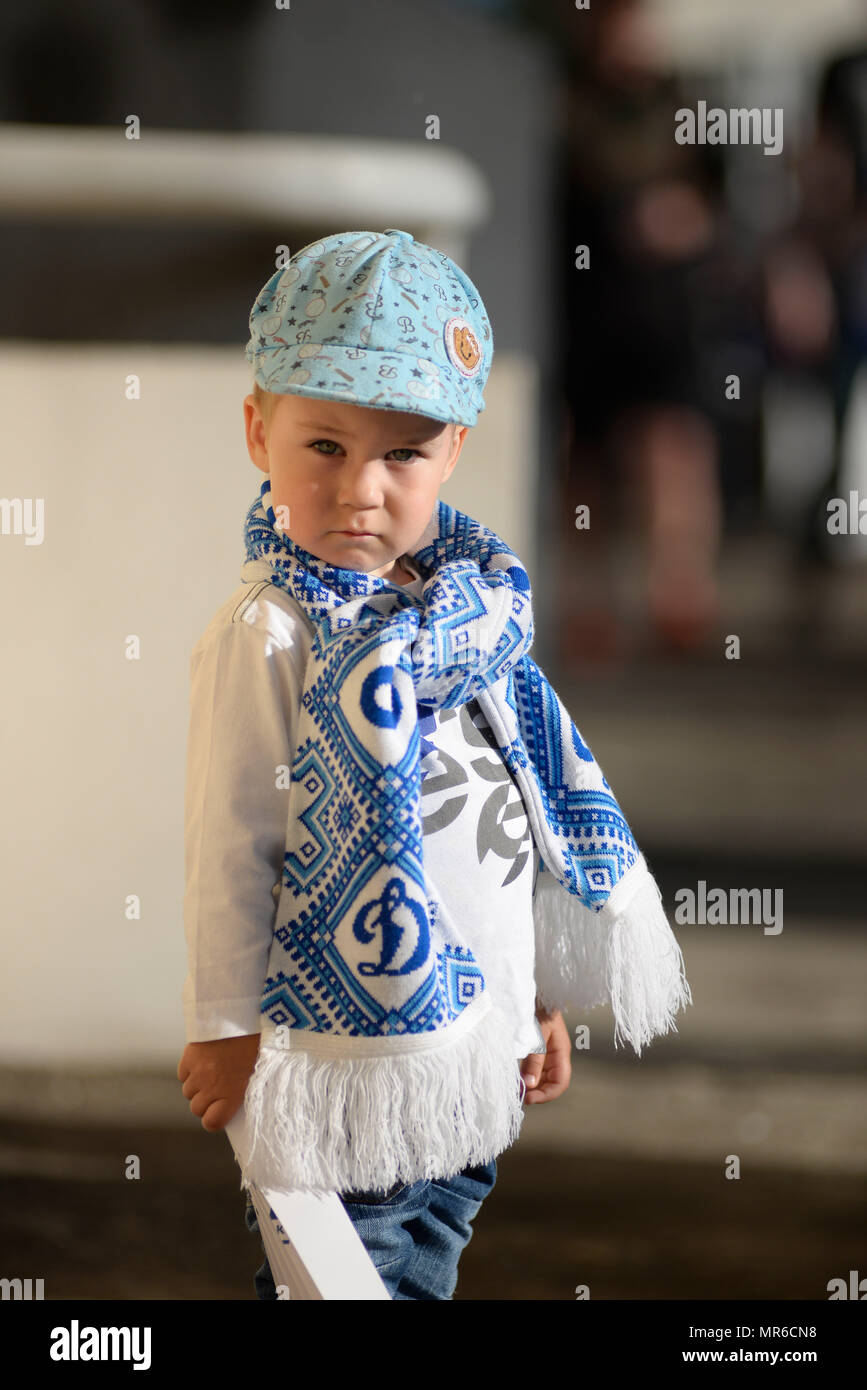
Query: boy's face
(339, 467)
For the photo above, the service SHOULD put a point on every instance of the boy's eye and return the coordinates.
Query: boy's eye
(329, 454)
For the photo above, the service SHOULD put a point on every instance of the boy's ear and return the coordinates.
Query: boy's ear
(458, 437)
(256, 435)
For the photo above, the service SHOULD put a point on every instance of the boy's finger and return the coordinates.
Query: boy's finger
(549, 1090)
(199, 1104)
(558, 1072)
(218, 1115)
(539, 1091)
(532, 1070)
(554, 1082)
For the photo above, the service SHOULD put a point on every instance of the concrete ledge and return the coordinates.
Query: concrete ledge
(62, 172)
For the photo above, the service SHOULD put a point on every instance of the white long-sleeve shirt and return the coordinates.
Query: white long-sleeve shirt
(247, 678)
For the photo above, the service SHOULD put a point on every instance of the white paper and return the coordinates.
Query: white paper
(313, 1249)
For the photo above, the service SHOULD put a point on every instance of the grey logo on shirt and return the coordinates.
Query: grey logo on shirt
(442, 773)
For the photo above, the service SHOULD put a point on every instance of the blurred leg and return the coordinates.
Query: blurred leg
(674, 466)
(590, 622)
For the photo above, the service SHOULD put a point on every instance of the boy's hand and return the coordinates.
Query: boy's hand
(546, 1074)
(215, 1076)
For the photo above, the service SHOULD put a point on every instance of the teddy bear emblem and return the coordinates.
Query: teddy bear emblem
(463, 346)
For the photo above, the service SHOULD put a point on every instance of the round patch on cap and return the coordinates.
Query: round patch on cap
(462, 346)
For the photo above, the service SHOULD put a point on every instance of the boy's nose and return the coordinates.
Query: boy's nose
(360, 484)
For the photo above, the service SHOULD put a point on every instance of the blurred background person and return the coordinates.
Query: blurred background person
(815, 284)
(639, 447)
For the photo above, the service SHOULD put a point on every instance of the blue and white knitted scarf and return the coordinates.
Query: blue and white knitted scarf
(383, 1058)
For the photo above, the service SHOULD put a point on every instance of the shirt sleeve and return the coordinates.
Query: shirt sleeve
(245, 693)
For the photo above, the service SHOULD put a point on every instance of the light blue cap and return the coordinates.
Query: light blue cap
(376, 319)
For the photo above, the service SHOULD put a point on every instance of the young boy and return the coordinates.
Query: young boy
(402, 861)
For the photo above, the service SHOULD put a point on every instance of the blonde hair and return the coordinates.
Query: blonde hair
(266, 402)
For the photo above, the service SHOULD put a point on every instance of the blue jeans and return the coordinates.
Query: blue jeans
(414, 1233)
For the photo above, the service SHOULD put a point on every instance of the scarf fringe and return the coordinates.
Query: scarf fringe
(626, 955)
(356, 1124)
